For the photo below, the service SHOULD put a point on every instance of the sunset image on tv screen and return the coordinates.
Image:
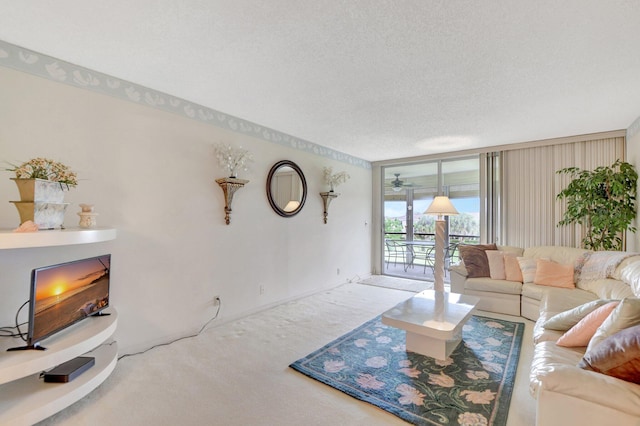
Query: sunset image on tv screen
(68, 292)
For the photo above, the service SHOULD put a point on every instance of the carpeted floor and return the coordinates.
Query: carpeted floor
(237, 373)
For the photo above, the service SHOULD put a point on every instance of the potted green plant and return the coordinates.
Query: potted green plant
(603, 201)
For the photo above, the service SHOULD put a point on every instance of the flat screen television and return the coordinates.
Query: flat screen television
(66, 293)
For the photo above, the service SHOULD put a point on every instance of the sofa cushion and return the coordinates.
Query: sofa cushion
(516, 251)
(607, 288)
(570, 297)
(493, 286)
(627, 314)
(475, 259)
(547, 356)
(560, 254)
(567, 319)
(631, 262)
(629, 272)
(617, 355)
(553, 274)
(596, 398)
(581, 333)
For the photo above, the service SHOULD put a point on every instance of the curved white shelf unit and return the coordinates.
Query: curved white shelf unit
(54, 237)
(26, 398)
(30, 400)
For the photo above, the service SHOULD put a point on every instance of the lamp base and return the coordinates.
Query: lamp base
(438, 268)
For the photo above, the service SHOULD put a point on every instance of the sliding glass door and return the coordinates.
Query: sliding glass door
(409, 234)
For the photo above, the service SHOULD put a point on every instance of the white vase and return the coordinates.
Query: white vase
(45, 215)
(41, 201)
(40, 190)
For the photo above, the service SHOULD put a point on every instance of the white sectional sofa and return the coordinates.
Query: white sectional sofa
(514, 297)
(566, 392)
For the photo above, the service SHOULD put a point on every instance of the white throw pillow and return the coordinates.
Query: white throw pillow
(528, 267)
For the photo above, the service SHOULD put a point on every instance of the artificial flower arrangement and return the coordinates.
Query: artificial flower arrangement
(333, 180)
(233, 159)
(46, 169)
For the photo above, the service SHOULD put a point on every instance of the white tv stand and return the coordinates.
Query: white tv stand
(24, 397)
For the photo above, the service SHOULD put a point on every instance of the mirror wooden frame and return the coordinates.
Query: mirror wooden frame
(276, 208)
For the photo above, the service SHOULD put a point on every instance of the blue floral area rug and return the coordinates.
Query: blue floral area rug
(472, 387)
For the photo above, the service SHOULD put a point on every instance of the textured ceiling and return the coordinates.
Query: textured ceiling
(376, 79)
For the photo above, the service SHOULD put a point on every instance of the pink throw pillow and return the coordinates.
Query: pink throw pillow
(581, 333)
(496, 264)
(553, 274)
(512, 271)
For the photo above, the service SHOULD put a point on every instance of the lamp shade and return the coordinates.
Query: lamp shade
(441, 206)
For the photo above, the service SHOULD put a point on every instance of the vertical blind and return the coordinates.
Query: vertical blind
(530, 185)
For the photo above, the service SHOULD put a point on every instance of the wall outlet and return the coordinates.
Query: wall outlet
(261, 288)
(216, 300)
(338, 271)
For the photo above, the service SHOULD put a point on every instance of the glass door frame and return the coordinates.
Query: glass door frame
(379, 198)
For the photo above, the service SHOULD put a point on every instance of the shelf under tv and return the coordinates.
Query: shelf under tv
(30, 400)
(26, 398)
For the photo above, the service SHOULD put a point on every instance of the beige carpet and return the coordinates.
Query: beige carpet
(237, 373)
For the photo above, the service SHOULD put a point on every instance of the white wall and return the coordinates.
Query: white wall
(633, 157)
(151, 174)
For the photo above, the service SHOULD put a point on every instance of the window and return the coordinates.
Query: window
(409, 189)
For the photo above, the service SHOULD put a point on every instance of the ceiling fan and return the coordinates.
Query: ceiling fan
(397, 184)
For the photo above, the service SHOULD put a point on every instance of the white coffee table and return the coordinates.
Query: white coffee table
(433, 321)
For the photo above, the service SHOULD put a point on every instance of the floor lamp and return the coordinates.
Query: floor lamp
(440, 206)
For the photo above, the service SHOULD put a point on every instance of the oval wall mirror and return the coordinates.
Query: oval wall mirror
(286, 188)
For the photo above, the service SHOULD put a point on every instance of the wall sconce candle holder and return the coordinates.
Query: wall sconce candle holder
(229, 187)
(326, 200)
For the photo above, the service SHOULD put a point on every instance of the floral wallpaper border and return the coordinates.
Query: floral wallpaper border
(25, 60)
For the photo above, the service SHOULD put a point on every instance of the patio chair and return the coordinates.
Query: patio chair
(395, 252)
(424, 255)
(449, 254)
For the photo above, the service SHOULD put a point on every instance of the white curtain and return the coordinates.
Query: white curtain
(490, 197)
(530, 184)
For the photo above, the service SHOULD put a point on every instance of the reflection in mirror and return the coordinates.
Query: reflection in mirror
(286, 188)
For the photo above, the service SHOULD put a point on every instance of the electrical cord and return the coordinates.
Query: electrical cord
(8, 331)
(42, 373)
(180, 338)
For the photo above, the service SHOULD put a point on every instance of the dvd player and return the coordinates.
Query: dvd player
(69, 370)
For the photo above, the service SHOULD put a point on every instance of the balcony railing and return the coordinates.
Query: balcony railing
(422, 236)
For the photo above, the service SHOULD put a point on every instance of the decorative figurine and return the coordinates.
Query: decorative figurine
(87, 216)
